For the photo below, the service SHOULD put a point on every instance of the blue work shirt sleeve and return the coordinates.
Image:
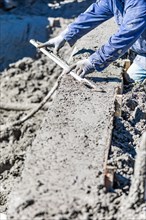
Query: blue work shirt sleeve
(133, 25)
(96, 14)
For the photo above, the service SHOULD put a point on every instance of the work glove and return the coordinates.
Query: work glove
(56, 42)
(82, 68)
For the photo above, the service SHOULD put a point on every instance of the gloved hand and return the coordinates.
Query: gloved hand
(82, 68)
(56, 42)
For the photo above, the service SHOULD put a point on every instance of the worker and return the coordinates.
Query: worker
(130, 16)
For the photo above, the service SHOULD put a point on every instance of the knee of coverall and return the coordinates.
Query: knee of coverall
(136, 73)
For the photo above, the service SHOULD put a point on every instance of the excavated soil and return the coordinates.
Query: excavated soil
(23, 85)
(28, 81)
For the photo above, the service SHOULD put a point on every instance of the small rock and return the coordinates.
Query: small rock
(17, 133)
(131, 103)
(12, 72)
(39, 75)
(138, 114)
(20, 64)
(15, 91)
(37, 97)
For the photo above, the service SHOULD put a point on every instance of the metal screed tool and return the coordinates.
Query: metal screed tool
(63, 65)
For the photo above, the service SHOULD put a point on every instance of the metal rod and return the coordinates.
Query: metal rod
(62, 64)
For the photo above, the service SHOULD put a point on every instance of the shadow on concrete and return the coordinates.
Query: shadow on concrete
(83, 51)
(104, 79)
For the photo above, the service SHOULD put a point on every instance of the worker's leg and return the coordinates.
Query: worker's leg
(136, 73)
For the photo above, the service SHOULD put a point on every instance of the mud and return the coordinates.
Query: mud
(28, 81)
(127, 134)
(24, 85)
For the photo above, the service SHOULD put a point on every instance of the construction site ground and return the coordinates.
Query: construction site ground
(52, 166)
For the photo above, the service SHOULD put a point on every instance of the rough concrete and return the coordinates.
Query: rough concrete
(61, 171)
(65, 164)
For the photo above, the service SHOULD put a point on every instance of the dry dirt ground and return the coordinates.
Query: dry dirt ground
(28, 81)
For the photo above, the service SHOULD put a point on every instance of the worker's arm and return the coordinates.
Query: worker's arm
(96, 14)
(134, 23)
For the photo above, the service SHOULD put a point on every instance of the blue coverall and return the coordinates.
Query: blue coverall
(130, 16)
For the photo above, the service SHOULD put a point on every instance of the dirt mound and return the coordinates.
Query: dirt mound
(25, 82)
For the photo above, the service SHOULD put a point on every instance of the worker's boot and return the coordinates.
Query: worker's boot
(9, 4)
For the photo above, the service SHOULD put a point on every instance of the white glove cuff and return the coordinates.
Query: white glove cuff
(62, 34)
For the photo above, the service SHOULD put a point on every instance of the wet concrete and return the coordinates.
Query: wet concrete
(64, 167)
